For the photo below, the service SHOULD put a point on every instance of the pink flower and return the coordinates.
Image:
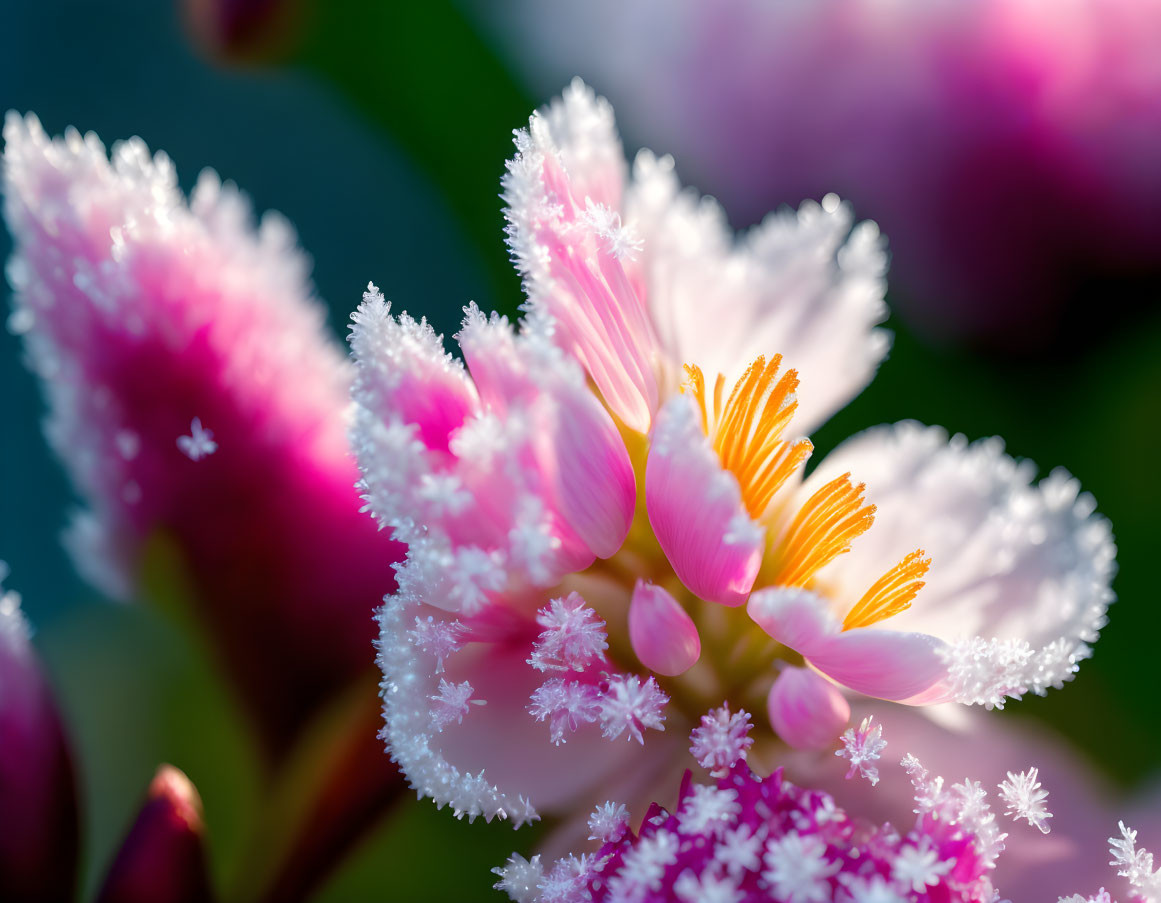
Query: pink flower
(615, 492)
(38, 799)
(1006, 146)
(199, 409)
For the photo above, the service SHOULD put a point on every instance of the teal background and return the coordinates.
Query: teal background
(383, 139)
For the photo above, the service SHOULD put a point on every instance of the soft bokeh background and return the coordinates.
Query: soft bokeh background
(382, 136)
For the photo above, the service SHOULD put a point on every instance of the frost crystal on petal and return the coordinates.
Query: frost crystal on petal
(797, 867)
(199, 443)
(1134, 864)
(708, 810)
(437, 638)
(721, 741)
(863, 746)
(574, 637)
(609, 822)
(566, 704)
(1025, 799)
(520, 878)
(919, 867)
(633, 706)
(452, 703)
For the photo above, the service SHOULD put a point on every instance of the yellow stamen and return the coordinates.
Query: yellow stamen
(823, 529)
(891, 593)
(746, 431)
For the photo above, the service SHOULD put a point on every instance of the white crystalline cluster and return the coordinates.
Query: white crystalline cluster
(721, 740)
(862, 746)
(1025, 799)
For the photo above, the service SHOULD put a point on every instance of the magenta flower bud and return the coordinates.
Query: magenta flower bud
(38, 804)
(163, 857)
(663, 634)
(806, 710)
(243, 30)
(198, 406)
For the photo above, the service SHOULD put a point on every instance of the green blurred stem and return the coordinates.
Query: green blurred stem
(403, 65)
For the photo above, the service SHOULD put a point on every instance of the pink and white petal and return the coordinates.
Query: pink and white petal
(696, 511)
(902, 667)
(581, 128)
(803, 284)
(579, 464)
(567, 241)
(1021, 572)
(404, 373)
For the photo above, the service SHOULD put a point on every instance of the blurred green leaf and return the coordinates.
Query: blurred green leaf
(421, 72)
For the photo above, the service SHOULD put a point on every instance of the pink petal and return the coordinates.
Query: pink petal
(118, 276)
(806, 710)
(904, 667)
(696, 510)
(578, 453)
(663, 634)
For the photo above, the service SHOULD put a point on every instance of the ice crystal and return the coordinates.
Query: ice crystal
(721, 740)
(609, 822)
(1135, 865)
(198, 444)
(1025, 799)
(863, 746)
(632, 705)
(437, 638)
(452, 703)
(566, 705)
(573, 637)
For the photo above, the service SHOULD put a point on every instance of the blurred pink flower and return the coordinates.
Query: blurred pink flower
(198, 407)
(38, 797)
(574, 554)
(1008, 147)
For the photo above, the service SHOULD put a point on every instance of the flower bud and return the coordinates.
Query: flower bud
(163, 857)
(806, 710)
(38, 805)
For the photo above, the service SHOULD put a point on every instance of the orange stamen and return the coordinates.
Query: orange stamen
(746, 431)
(823, 529)
(891, 593)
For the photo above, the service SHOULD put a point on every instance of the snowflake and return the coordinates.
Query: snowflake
(437, 638)
(797, 867)
(721, 741)
(573, 636)
(629, 705)
(739, 850)
(199, 443)
(919, 867)
(707, 889)
(863, 747)
(1025, 798)
(451, 704)
(567, 704)
(708, 810)
(609, 822)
